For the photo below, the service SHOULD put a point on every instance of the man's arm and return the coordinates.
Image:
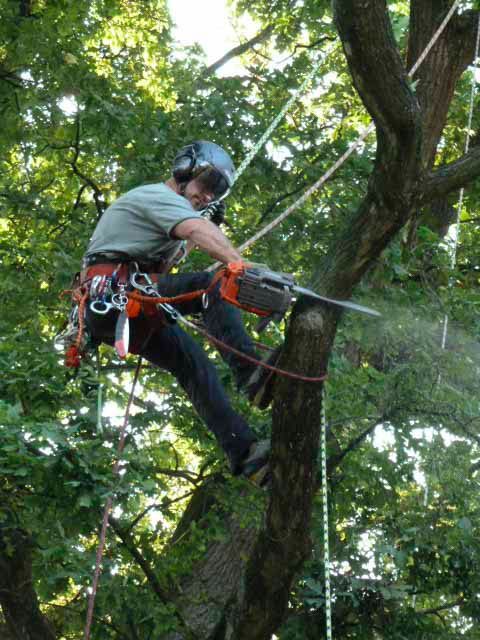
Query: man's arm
(207, 237)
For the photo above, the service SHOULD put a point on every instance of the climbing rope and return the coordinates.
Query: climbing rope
(453, 261)
(273, 125)
(321, 181)
(326, 545)
(108, 508)
(436, 35)
(226, 347)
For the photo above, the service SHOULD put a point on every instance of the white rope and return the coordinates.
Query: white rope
(326, 546)
(298, 203)
(434, 39)
(273, 125)
(321, 181)
(453, 262)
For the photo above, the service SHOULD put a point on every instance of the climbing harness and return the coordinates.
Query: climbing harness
(453, 260)
(141, 296)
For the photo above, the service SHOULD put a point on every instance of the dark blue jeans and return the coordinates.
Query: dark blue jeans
(173, 349)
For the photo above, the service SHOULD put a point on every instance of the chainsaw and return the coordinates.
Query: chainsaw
(269, 294)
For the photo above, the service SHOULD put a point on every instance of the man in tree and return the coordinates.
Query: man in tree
(148, 226)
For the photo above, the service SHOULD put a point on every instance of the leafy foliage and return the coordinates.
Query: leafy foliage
(95, 98)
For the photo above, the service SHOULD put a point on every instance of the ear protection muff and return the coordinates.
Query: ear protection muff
(184, 163)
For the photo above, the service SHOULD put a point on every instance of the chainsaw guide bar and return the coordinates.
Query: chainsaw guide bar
(269, 294)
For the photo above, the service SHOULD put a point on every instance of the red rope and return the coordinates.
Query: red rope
(108, 507)
(240, 354)
(196, 294)
(74, 354)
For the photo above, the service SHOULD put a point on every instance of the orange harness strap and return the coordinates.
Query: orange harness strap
(137, 302)
(183, 297)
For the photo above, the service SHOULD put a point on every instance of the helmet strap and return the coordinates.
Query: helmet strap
(182, 186)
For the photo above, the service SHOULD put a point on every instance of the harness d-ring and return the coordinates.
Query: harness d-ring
(205, 300)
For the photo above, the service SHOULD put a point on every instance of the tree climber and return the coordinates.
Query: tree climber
(144, 230)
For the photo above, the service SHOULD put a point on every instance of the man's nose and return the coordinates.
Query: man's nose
(208, 197)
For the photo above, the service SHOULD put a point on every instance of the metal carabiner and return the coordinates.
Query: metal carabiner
(95, 286)
(171, 314)
(101, 307)
(119, 301)
(148, 288)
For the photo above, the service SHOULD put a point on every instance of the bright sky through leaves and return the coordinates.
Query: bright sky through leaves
(208, 24)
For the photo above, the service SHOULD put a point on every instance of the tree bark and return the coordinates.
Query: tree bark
(24, 620)
(437, 78)
(438, 75)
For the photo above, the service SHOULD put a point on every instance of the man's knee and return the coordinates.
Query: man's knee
(203, 279)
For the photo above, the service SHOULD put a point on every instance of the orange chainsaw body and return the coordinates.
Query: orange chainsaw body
(256, 289)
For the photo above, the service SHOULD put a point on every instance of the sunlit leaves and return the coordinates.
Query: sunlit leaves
(96, 99)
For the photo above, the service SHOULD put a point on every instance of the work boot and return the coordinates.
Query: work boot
(259, 387)
(255, 466)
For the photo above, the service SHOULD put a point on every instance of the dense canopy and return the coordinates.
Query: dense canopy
(95, 99)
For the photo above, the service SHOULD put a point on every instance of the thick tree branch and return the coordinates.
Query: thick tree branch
(442, 607)
(451, 176)
(237, 51)
(153, 581)
(377, 69)
(440, 71)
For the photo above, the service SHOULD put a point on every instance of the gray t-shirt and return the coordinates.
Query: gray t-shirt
(140, 224)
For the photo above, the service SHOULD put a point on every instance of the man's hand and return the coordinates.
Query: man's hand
(215, 212)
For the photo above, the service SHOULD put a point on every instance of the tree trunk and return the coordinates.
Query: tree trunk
(24, 620)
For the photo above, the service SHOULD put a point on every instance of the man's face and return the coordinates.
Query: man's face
(198, 194)
(208, 186)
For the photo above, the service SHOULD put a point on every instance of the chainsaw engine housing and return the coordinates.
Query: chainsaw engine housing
(258, 290)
